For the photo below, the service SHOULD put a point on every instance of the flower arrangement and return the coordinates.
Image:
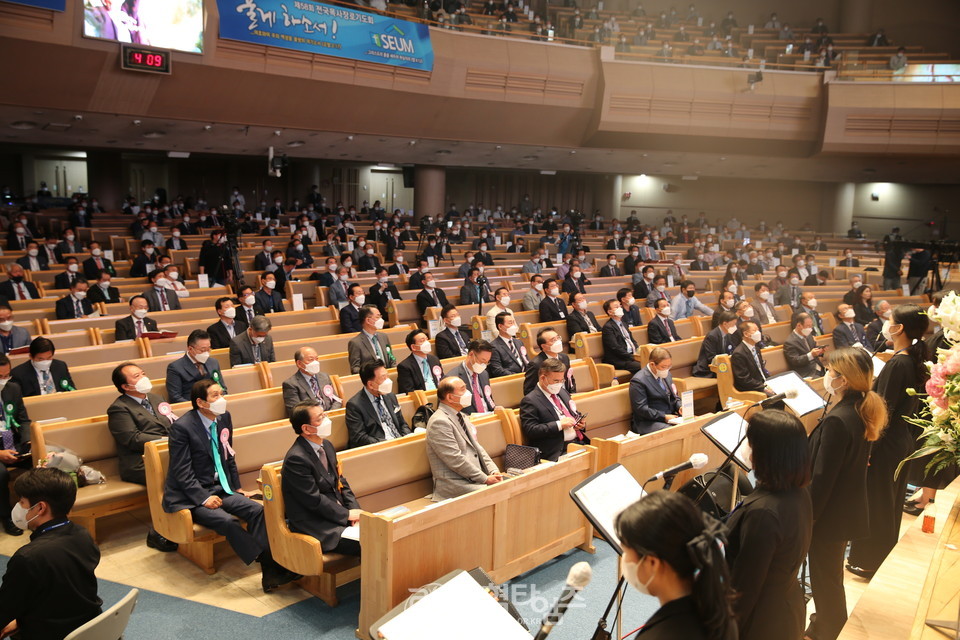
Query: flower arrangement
(939, 416)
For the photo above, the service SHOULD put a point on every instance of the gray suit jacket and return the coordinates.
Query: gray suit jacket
(795, 350)
(458, 462)
(20, 337)
(531, 300)
(153, 300)
(296, 390)
(132, 426)
(337, 294)
(241, 350)
(360, 350)
(761, 315)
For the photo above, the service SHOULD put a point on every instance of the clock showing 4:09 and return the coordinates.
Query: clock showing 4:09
(137, 58)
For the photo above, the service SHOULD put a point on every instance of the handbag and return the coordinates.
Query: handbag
(520, 457)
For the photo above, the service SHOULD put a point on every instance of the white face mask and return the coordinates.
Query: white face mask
(794, 281)
(143, 385)
(553, 293)
(618, 312)
(313, 368)
(806, 331)
(456, 321)
(554, 389)
(230, 313)
(662, 374)
(359, 300)
(849, 314)
(466, 399)
(886, 331)
(378, 324)
(219, 406)
(426, 348)
(271, 284)
(582, 305)
(250, 300)
(278, 260)
(6, 326)
(258, 339)
(140, 314)
(726, 304)
(665, 311)
(43, 365)
(829, 379)
(732, 330)
(80, 295)
(748, 312)
(504, 300)
(202, 357)
(857, 285)
(812, 303)
(734, 270)
(661, 288)
(386, 386)
(429, 284)
(478, 368)
(755, 337)
(764, 295)
(19, 516)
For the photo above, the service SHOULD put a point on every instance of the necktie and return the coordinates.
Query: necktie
(249, 316)
(389, 429)
(376, 347)
(456, 334)
(163, 300)
(666, 325)
(466, 431)
(427, 378)
(99, 263)
(146, 405)
(516, 354)
(256, 354)
(560, 406)
(232, 330)
(436, 300)
(22, 291)
(626, 337)
(139, 328)
(478, 401)
(663, 385)
(202, 370)
(48, 387)
(323, 459)
(221, 476)
(79, 308)
(315, 386)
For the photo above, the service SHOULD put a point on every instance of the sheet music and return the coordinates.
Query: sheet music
(609, 494)
(460, 608)
(351, 533)
(726, 432)
(807, 399)
(878, 365)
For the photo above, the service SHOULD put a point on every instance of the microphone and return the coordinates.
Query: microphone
(789, 393)
(696, 461)
(578, 577)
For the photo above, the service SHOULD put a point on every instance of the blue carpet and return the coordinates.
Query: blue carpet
(162, 617)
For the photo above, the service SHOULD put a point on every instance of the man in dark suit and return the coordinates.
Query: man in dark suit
(473, 372)
(196, 364)
(268, 298)
(430, 296)
(135, 418)
(851, 296)
(661, 328)
(548, 418)
(848, 260)
(350, 314)
(42, 374)
(187, 227)
(472, 292)
(453, 339)
(801, 350)
(416, 278)
(619, 346)
(653, 397)
(75, 304)
(552, 307)
(309, 384)
(145, 261)
(746, 362)
(643, 282)
(228, 327)
(580, 320)
(70, 273)
(551, 345)
(373, 414)
(631, 313)
(15, 441)
(132, 326)
(377, 234)
(611, 270)
(718, 341)
(399, 266)
(265, 258)
(15, 287)
(102, 291)
(253, 346)
(326, 274)
(318, 500)
(616, 243)
(160, 297)
(96, 263)
(808, 305)
(208, 485)
(369, 345)
(849, 333)
(575, 280)
(175, 242)
(421, 369)
(35, 260)
(11, 336)
(509, 355)
(384, 291)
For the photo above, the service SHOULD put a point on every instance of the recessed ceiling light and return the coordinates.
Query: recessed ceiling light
(23, 125)
(443, 152)
(153, 135)
(531, 157)
(296, 143)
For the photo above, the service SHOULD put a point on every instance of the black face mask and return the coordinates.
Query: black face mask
(17, 279)
(690, 294)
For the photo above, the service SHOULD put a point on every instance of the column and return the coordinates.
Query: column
(105, 175)
(837, 211)
(429, 191)
(856, 16)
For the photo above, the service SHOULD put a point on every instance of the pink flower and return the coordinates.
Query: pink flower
(951, 366)
(935, 389)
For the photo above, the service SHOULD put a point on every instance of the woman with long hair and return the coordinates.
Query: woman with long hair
(907, 369)
(839, 449)
(770, 531)
(673, 552)
(863, 306)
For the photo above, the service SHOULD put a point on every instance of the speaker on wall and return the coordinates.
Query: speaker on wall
(408, 177)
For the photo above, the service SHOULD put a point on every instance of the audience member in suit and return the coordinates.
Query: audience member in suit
(50, 252)
(808, 305)
(69, 243)
(611, 270)
(248, 307)
(746, 362)
(472, 292)
(228, 327)
(619, 346)
(453, 339)
(534, 295)
(548, 418)
(848, 332)
(265, 258)
(384, 291)
(790, 293)
(653, 398)
(18, 426)
(580, 320)
(848, 260)
(160, 297)
(210, 486)
(430, 296)
(337, 290)
(317, 499)
(420, 370)
(369, 345)
(801, 350)
(35, 260)
(718, 341)
(134, 419)
(661, 328)
(552, 307)
(175, 242)
(350, 314)
(840, 450)
(658, 291)
(196, 364)
(309, 384)
(132, 326)
(458, 462)
(575, 281)
(509, 355)
(15, 287)
(11, 336)
(631, 313)
(399, 266)
(326, 273)
(101, 291)
(874, 330)
(416, 278)
(75, 304)
(373, 414)
(763, 305)
(851, 296)
(145, 261)
(473, 372)
(551, 345)
(769, 533)
(69, 274)
(268, 298)
(18, 239)
(96, 263)
(255, 345)
(42, 374)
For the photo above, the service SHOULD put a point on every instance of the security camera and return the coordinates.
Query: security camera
(78, 117)
(136, 123)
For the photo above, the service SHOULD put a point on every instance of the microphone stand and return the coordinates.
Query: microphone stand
(726, 461)
(601, 633)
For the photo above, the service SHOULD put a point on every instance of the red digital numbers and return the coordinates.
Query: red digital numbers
(136, 58)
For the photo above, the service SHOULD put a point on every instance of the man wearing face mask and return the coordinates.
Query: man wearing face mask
(350, 313)
(780, 281)
(206, 481)
(552, 308)
(75, 305)
(748, 366)
(161, 296)
(851, 296)
(70, 273)
(317, 498)
(801, 350)
(254, 345)
(534, 295)
(15, 287)
(473, 372)
(661, 328)
(848, 333)
(808, 305)
(788, 291)
(458, 462)
(548, 417)
(137, 323)
(309, 384)
(619, 346)
(874, 331)
(369, 345)
(472, 292)
(581, 320)
(248, 307)
(196, 364)
(268, 298)
(611, 270)
(431, 295)
(509, 355)
(373, 414)
(135, 418)
(653, 397)
(384, 291)
(145, 262)
(54, 572)
(265, 258)
(551, 345)
(685, 304)
(15, 440)
(96, 263)
(848, 260)
(452, 340)
(718, 341)
(11, 336)
(421, 369)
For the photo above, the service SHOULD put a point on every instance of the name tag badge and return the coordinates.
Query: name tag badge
(437, 371)
(489, 393)
(563, 315)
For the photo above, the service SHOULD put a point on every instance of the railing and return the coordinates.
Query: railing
(947, 71)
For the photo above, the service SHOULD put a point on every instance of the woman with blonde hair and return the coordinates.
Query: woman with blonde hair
(840, 449)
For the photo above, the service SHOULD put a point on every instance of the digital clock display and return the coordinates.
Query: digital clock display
(138, 58)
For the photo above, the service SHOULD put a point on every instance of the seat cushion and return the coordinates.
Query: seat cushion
(695, 384)
(113, 490)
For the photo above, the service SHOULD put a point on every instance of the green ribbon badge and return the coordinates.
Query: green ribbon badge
(13, 421)
(216, 376)
(66, 386)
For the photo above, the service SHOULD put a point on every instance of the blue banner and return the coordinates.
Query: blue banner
(327, 30)
(56, 5)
